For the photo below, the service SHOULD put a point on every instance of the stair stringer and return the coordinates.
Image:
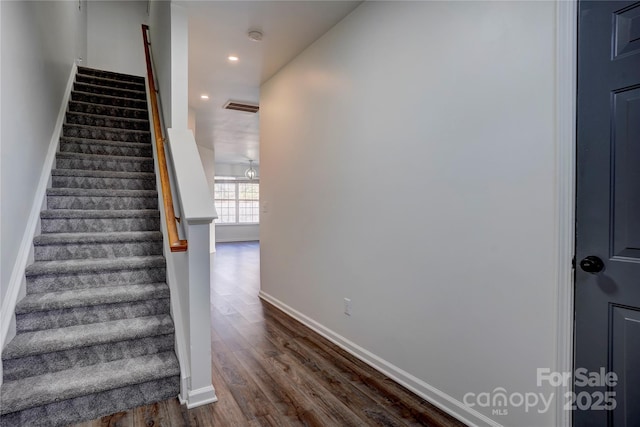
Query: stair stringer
(17, 281)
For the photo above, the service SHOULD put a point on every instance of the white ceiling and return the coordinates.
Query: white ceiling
(218, 29)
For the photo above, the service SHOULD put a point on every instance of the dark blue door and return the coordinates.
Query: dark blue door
(607, 289)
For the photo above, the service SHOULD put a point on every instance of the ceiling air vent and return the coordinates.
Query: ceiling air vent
(241, 106)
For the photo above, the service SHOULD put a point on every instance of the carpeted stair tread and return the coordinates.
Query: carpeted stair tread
(103, 174)
(94, 279)
(63, 385)
(105, 147)
(130, 236)
(106, 221)
(82, 198)
(123, 164)
(121, 93)
(108, 110)
(48, 363)
(98, 98)
(85, 192)
(106, 121)
(74, 266)
(52, 340)
(109, 82)
(108, 133)
(110, 75)
(91, 296)
(89, 182)
(98, 213)
(90, 314)
(132, 131)
(62, 246)
(96, 405)
(70, 160)
(102, 157)
(131, 144)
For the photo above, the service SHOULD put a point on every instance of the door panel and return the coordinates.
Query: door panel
(626, 173)
(625, 348)
(627, 31)
(607, 304)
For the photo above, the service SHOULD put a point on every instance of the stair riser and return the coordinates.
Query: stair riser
(107, 110)
(76, 131)
(65, 282)
(15, 369)
(104, 100)
(102, 90)
(41, 320)
(102, 183)
(106, 121)
(83, 78)
(106, 165)
(91, 225)
(104, 149)
(109, 203)
(97, 250)
(94, 405)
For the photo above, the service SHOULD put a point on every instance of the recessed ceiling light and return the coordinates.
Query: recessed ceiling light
(233, 58)
(204, 96)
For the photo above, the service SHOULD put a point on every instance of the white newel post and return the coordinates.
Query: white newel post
(200, 389)
(198, 212)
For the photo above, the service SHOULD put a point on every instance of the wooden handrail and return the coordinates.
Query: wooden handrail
(175, 243)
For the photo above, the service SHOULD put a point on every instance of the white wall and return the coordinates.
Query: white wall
(426, 194)
(114, 36)
(191, 121)
(169, 33)
(234, 169)
(237, 233)
(207, 157)
(39, 42)
(179, 66)
(159, 19)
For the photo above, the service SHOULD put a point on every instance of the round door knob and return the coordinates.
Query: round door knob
(592, 264)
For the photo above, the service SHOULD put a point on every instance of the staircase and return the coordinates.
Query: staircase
(94, 334)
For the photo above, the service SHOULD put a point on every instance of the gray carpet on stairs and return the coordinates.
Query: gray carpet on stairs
(94, 332)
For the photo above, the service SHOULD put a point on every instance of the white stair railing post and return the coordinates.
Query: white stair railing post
(200, 389)
(198, 212)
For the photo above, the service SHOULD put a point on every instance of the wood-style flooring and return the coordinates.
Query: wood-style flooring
(270, 370)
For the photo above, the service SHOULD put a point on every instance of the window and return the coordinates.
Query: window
(237, 201)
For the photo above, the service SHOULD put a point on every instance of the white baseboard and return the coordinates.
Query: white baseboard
(16, 280)
(237, 240)
(431, 394)
(201, 396)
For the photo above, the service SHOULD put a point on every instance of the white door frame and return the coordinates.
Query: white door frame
(566, 82)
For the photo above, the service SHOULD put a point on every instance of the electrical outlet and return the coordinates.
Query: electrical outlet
(347, 306)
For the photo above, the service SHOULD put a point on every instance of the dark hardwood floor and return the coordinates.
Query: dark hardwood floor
(270, 370)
